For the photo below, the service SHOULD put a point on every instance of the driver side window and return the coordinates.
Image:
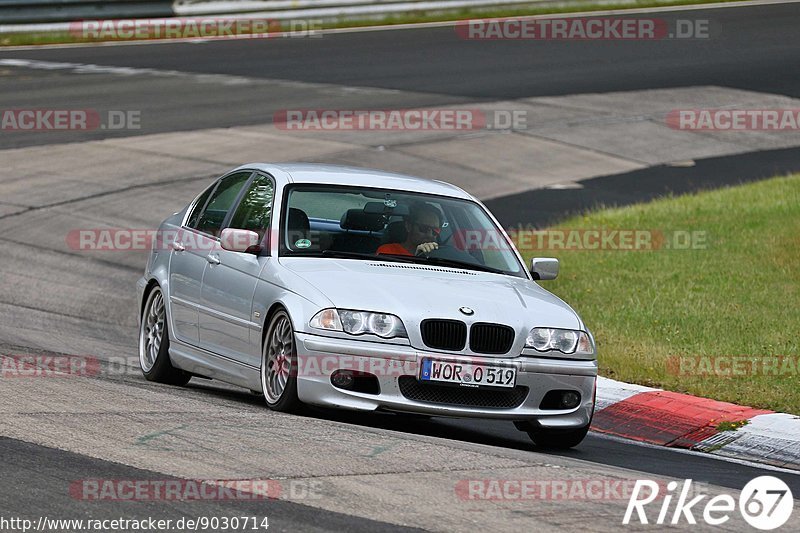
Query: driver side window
(255, 209)
(218, 203)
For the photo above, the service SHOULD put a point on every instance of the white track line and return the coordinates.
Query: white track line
(409, 26)
(220, 79)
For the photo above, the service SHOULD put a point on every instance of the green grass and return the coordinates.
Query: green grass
(732, 426)
(43, 38)
(740, 296)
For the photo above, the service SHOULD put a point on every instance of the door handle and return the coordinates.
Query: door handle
(178, 247)
(213, 259)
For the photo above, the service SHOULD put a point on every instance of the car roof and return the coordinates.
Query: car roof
(360, 177)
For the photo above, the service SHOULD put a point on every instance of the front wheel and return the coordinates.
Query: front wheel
(558, 439)
(279, 365)
(154, 343)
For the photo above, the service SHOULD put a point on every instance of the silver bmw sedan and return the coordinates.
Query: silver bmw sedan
(363, 290)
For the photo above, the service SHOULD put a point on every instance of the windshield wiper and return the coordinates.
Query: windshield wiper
(362, 255)
(457, 264)
(401, 259)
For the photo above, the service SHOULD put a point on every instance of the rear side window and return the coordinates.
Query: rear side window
(255, 209)
(219, 203)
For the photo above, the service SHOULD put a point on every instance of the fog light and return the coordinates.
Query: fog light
(570, 400)
(342, 379)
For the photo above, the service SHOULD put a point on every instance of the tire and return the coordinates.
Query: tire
(279, 365)
(154, 343)
(558, 439)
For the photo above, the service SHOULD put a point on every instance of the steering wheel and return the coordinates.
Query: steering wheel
(441, 244)
(448, 251)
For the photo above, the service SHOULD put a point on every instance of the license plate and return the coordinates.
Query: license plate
(467, 374)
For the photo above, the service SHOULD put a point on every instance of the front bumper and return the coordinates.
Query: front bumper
(320, 356)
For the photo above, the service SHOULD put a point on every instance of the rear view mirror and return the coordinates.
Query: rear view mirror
(240, 240)
(386, 208)
(544, 268)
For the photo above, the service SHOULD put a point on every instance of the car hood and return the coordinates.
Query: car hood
(415, 292)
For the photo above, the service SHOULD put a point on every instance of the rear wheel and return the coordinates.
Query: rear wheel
(558, 439)
(279, 365)
(154, 343)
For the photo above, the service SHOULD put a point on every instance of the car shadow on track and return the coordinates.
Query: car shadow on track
(596, 448)
(477, 431)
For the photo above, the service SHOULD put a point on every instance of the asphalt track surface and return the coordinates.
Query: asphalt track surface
(38, 484)
(641, 186)
(757, 51)
(749, 48)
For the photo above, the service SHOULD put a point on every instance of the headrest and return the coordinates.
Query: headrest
(396, 231)
(357, 219)
(297, 220)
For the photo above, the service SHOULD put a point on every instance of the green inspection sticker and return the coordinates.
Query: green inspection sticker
(302, 243)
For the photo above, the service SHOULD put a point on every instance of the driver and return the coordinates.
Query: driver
(423, 226)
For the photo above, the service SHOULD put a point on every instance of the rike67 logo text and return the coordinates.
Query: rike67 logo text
(765, 503)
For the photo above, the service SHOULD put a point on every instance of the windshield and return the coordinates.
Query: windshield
(365, 223)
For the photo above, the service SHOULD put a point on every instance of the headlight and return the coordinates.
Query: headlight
(539, 338)
(359, 322)
(384, 325)
(354, 322)
(563, 340)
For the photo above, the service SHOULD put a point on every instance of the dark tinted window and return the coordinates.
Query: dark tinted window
(255, 209)
(198, 207)
(220, 202)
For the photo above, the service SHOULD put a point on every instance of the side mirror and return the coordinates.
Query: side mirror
(544, 268)
(240, 240)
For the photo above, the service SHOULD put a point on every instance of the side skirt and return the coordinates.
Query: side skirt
(204, 363)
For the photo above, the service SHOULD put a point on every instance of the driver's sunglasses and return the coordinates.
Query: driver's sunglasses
(425, 228)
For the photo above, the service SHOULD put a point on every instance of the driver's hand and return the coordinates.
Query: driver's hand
(427, 247)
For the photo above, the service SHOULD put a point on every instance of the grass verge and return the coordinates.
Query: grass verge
(43, 38)
(721, 321)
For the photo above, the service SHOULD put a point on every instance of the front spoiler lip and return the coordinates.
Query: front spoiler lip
(538, 374)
